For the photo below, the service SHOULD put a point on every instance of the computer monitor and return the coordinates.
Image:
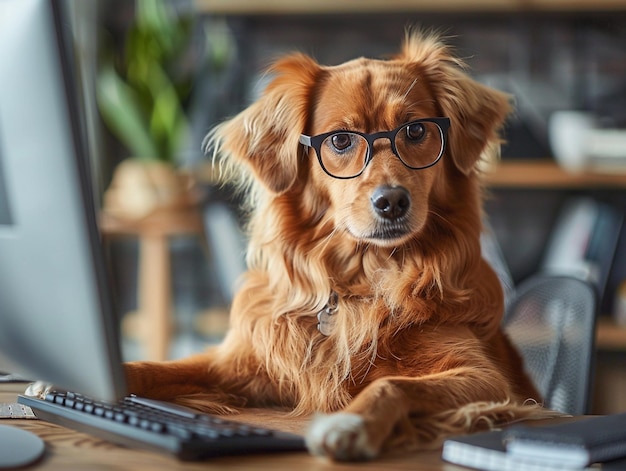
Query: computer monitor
(57, 323)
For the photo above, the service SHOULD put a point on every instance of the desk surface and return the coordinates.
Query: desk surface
(66, 449)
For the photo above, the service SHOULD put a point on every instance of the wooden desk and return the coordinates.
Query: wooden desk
(67, 449)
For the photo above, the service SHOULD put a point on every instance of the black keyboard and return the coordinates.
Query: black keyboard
(160, 426)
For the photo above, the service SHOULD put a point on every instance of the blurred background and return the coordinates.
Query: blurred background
(157, 75)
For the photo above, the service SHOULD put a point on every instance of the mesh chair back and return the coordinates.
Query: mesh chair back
(551, 321)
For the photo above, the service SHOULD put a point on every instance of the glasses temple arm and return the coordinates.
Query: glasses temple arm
(305, 140)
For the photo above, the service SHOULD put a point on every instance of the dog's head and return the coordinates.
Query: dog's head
(387, 203)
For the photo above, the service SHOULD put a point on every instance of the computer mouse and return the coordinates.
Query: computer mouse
(19, 447)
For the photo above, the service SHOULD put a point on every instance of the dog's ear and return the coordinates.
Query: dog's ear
(265, 136)
(476, 111)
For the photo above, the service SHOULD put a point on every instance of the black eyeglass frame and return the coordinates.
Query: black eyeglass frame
(443, 123)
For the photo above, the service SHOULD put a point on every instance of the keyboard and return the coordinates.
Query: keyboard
(160, 426)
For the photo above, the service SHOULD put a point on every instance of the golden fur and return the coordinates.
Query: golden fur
(417, 351)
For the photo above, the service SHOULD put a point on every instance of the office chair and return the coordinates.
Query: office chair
(552, 320)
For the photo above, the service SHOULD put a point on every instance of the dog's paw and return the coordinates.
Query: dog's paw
(341, 436)
(38, 389)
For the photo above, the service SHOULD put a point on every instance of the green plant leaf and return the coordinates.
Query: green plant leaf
(143, 103)
(156, 19)
(120, 109)
(168, 121)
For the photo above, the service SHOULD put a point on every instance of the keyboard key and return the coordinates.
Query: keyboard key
(181, 432)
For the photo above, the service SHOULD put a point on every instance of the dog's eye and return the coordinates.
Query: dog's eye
(415, 131)
(341, 141)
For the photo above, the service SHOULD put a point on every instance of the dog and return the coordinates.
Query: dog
(366, 303)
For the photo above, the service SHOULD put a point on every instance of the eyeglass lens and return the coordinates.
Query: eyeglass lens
(345, 154)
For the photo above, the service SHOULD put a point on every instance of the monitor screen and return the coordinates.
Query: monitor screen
(56, 318)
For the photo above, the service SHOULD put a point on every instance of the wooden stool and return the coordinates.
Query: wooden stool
(154, 284)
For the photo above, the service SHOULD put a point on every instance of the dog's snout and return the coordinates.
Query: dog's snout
(391, 202)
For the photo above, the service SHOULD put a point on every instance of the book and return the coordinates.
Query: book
(575, 444)
(584, 241)
(569, 241)
(603, 244)
(487, 451)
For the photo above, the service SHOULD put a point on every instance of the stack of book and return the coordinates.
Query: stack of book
(595, 443)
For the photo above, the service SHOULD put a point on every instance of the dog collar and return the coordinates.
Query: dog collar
(326, 317)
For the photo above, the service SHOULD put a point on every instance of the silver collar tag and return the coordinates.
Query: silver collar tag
(326, 317)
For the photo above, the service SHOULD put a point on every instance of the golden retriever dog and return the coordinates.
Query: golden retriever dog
(366, 302)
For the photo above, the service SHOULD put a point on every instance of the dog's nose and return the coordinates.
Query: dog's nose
(391, 202)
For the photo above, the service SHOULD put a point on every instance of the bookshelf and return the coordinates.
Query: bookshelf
(253, 7)
(546, 174)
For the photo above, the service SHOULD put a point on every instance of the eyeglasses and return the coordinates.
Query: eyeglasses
(345, 154)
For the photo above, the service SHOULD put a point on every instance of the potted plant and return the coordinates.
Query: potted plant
(141, 96)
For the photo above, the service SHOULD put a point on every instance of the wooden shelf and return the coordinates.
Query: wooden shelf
(610, 336)
(546, 174)
(253, 7)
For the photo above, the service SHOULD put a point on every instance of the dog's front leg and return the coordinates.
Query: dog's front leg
(168, 379)
(221, 379)
(361, 429)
